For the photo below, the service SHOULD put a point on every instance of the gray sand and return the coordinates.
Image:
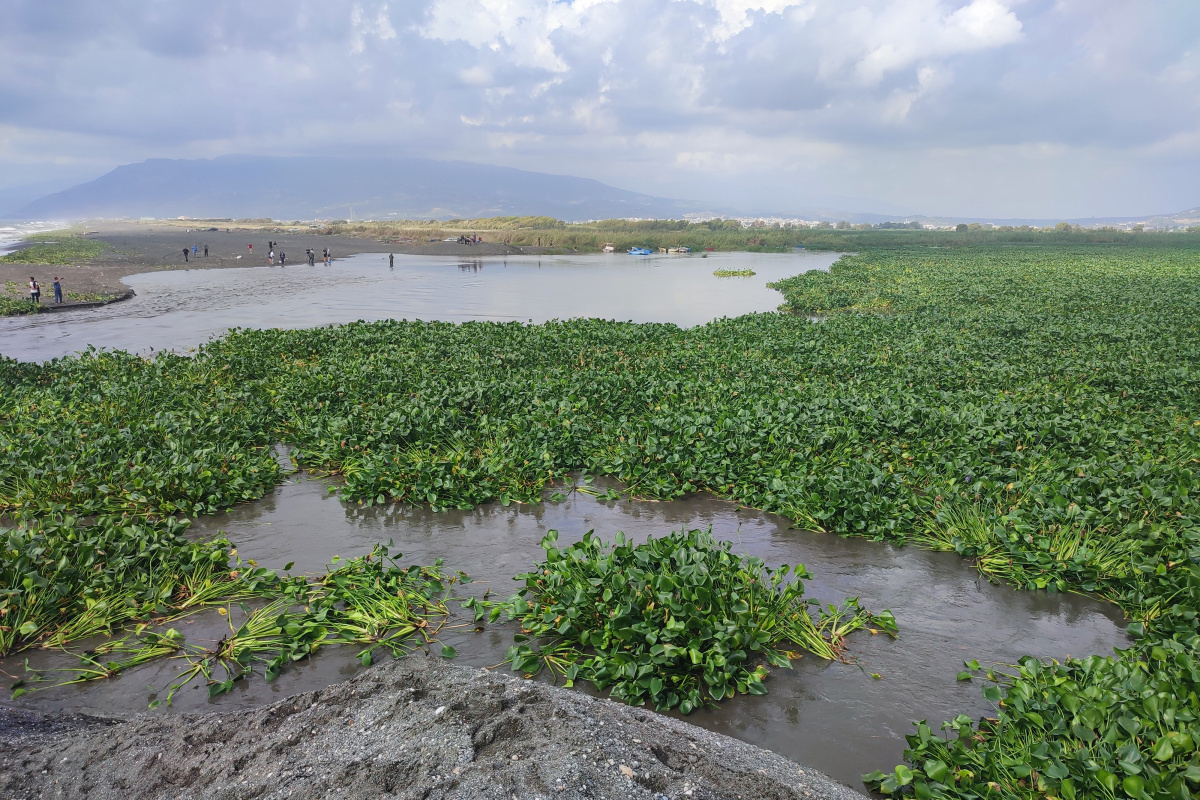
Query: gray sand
(414, 728)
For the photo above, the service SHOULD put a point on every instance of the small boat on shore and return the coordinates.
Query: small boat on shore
(640, 251)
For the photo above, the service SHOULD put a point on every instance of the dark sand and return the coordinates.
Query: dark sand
(155, 246)
(413, 728)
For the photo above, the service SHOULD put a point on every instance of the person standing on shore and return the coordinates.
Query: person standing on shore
(35, 291)
(206, 249)
(271, 258)
(57, 292)
(250, 247)
(195, 251)
(282, 258)
(185, 255)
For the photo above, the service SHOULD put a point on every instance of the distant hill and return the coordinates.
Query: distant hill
(336, 188)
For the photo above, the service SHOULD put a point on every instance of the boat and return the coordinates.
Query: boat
(679, 249)
(608, 248)
(640, 251)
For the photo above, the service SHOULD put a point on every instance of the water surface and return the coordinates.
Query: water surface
(835, 717)
(175, 310)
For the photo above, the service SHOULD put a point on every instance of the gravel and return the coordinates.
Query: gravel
(418, 727)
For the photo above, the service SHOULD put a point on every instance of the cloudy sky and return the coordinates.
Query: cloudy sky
(1042, 108)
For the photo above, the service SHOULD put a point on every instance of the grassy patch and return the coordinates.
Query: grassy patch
(57, 248)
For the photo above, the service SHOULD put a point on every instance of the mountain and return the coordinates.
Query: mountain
(339, 188)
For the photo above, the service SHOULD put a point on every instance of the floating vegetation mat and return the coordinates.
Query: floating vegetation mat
(734, 273)
(1035, 409)
(61, 581)
(64, 583)
(677, 622)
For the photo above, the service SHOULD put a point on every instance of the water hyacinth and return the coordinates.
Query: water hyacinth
(676, 622)
(62, 580)
(1063, 379)
(369, 601)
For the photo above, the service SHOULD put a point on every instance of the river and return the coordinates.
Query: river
(180, 309)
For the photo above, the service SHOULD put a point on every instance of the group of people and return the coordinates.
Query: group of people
(310, 254)
(464, 239)
(35, 291)
(194, 252)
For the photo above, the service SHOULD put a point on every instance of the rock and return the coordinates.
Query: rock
(507, 737)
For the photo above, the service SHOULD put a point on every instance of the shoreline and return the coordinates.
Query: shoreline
(136, 248)
(407, 728)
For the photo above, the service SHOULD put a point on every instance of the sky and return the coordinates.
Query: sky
(986, 108)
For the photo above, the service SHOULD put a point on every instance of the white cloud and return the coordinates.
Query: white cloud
(982, 23)
(736, 15)
(520, 28)
(759, 99)
(379, 28)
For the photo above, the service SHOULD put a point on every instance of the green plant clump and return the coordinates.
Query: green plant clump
(69, 582)
(16, 306)
(61, 580)
(105, 433)
(734, 273)
(677, 621)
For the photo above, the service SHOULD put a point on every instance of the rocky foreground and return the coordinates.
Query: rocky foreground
(413, 728)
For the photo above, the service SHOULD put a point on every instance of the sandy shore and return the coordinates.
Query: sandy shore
(413, 728)
(155, 246)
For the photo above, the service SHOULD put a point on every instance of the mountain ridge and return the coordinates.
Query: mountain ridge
(337, 187)
(346, 187)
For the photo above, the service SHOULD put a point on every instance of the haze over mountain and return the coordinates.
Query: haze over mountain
(338, 188)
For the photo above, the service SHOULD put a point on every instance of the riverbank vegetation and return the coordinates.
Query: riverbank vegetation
(730, 234)
(1035, 409)
(56, 248)
(733, 273)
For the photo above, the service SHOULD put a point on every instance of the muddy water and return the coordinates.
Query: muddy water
(833, 716)
(181, 309)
